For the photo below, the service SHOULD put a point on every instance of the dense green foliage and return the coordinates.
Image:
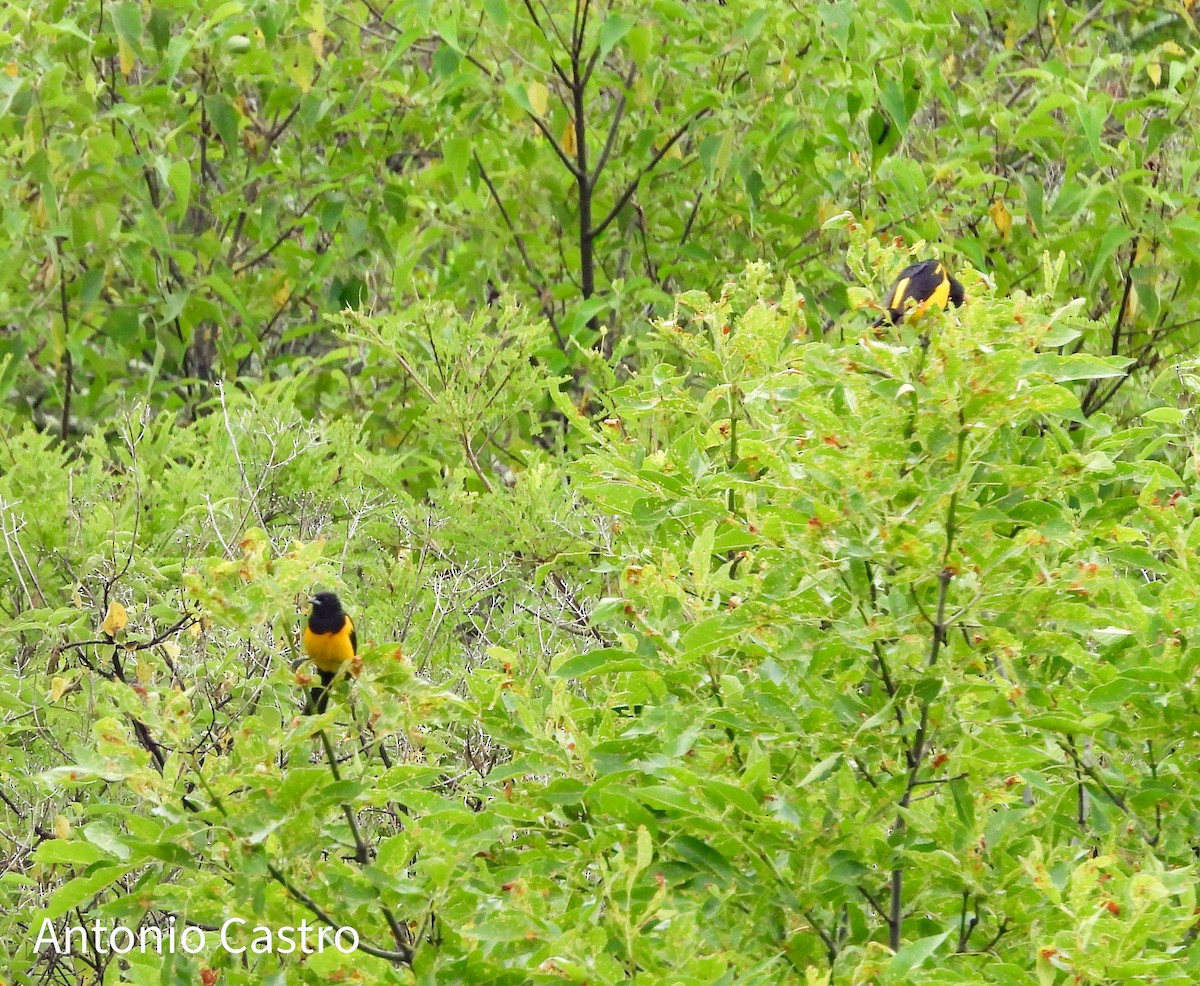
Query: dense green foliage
(799, 624)
(707, 635)
(193, 185)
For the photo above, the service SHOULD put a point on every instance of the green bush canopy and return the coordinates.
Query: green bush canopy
(707, 632)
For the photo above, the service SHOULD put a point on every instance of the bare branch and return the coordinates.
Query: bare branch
(558, 69)
(562, 155)
(535, 280)
(645, 170)
(610, 140)
(284, 236)
(182, 624)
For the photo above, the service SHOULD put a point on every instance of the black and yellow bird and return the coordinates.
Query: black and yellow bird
(921, 286)
(329, 641)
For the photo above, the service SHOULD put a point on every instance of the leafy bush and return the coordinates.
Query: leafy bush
(860, 659)
(196, 185)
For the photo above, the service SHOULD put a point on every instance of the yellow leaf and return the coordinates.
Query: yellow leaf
(674, 152)
(315, 17)
(11, 70)
(58, 687)
(539, 97)
(114, 620)
(300, 70)
(126, 57)
(281, 295)
(62, 827)
(1001, 217)
(1154, 70)
(316, 41)
(1131, 306)
(568, 139)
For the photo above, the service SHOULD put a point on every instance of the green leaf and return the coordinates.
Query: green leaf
(603, 660)
(497, 10)
(1092, 117)
(668, 799)
(820, 771)
(224, 118)
(701, 854)
(179, 178)
(584, 311)
(1184, 231)
(1078, 366)
(708, 635)
(645, 848)
(700, 557)
(640, 43)
(1114, 238)
(69, 853)
(612, 31)
(127, 20)
(82, 888)
(913, 956)
(1115, 694)
(892, 99)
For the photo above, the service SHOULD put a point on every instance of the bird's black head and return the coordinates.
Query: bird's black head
(326, 606)
(956, 293)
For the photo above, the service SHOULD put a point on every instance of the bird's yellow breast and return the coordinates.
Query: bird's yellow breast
(329, 651)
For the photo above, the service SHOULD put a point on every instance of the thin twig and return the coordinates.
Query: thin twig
(613, 127)
(535, 281)
(570, 165)
(645, 170)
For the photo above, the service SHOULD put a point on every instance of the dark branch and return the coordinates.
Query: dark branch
(632, 187)
(562, 155)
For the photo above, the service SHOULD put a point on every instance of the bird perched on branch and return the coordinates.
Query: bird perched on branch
(329, 641)
(919, 287)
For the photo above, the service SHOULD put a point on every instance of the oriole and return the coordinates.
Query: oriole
(329, 641)
(924, 285)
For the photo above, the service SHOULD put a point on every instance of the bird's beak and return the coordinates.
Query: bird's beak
(312, 600)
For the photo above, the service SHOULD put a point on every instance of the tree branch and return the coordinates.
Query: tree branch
(295, 228)
(558, 69)
(182, 624)
(558, 149)
(609, 140)
(831, 949)
(645, 170)
(535, 281)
